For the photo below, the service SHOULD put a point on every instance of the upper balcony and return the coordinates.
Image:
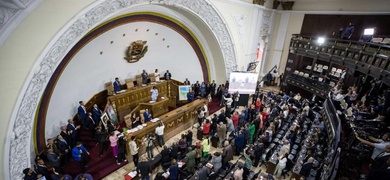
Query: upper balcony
(367, 57)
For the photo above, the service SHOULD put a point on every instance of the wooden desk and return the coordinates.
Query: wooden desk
(125, 102)
(175, 121)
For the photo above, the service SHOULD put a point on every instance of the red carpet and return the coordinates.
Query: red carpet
(214, 106)
(98, 167)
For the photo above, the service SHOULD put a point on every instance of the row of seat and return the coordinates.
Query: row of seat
(313, 77)
(381, 40)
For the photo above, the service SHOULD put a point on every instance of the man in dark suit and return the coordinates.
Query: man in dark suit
(381, 159)
(72, 131)
(64, 148)
(196, 88)
(145, 77)
(101, 137)
(213, 85)
(306, 167)
(167, 75)
(42, 169)
(65, 134)
(90, 124)
(82, 112)
(96, 113)
(117, 85)
(190, 96)
(187, 82)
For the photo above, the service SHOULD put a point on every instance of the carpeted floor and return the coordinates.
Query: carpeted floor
(100, 167)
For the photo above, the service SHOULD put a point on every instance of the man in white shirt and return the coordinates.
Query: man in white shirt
(134, 150)
(160, 134)
(205, 109)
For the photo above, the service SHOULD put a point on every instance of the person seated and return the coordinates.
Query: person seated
(135, 121)
(147, 116)
(306, 167)
(117, 85)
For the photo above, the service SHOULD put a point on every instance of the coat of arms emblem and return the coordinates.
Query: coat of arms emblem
(136, 51)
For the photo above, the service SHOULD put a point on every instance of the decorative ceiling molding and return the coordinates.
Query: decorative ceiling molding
(12, 13)
(17, 153)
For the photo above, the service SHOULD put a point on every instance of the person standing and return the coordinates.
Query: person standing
(187, 82)
(200, 116)
(206, 147)
(154, 92)
(117, 85)
(96, 113)
(148, 142)
(114, 143)
(82, 112)
(190, 160)
(213, 85)
(167, 75)
(134, 150)
(227, 154)
(144, 76)
(348, 32)
(121, 150)
(189, 138)
(64, 148)
(160, 133)
(173, 170)
(221, 131)
(197, 88)
(54, 160)
(190, 96)
(202, 89)
(281, 165)
(144, 169)
(79, 154)
(72, 130)
(156, 75)
(101, 140)
(90, 124)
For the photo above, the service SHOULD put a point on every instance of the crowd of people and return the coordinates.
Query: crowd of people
(245, 132)
(369, 107)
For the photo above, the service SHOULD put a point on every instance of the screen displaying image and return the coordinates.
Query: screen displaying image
(244, 83)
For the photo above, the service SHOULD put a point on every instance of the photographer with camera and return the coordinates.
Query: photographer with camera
(149, 143)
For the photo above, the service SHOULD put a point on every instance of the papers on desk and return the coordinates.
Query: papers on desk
(181, 164)
(154, 120)
(166, 174)
(209, 165)
(121, 91)
(132, 174)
